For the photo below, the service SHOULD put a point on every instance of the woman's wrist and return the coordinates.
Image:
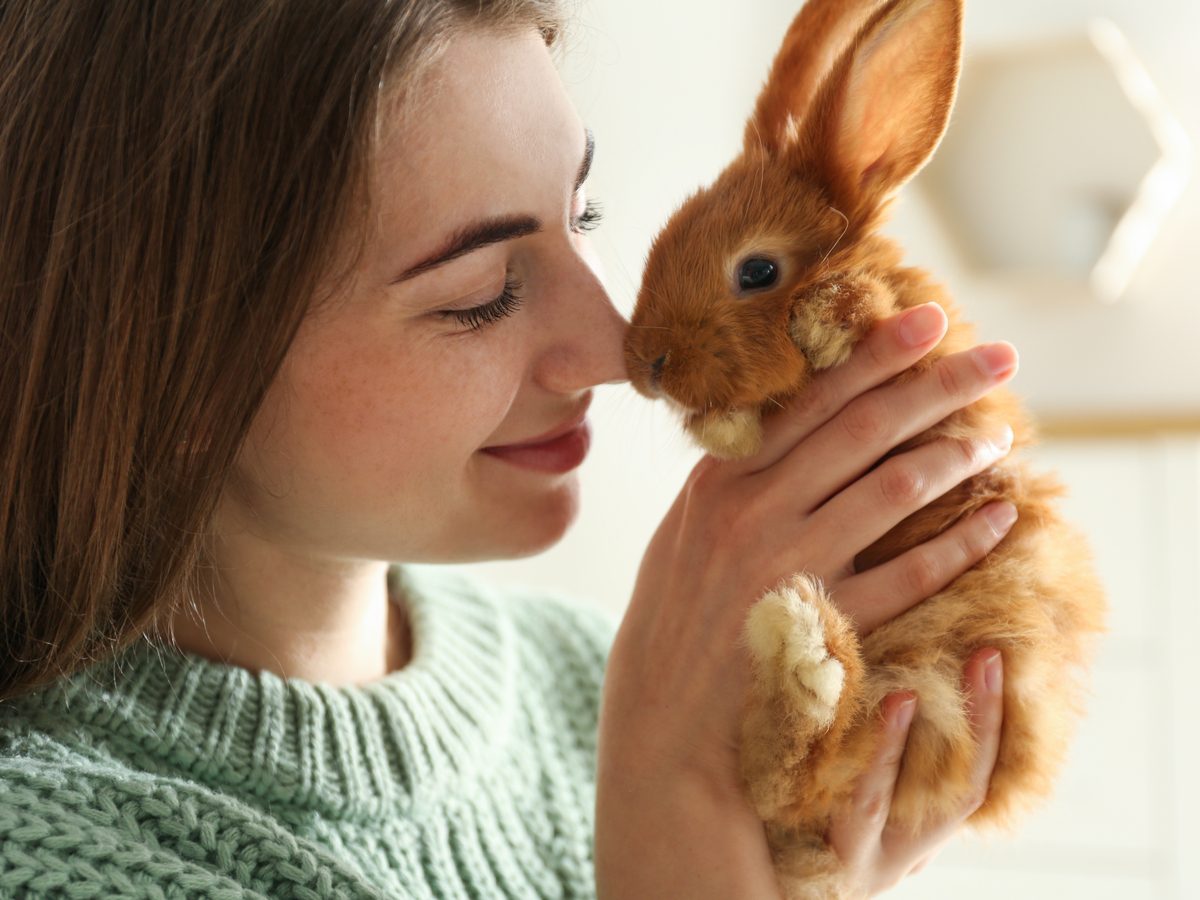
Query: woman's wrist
(679, 839)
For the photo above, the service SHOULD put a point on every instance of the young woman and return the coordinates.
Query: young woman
(276, 280)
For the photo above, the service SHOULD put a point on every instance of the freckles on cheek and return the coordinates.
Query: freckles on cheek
(346, 403)
(479, 401)
(369, 412)
(376, 405)
(340, 421)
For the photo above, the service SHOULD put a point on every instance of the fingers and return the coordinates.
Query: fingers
(854, 832)
(880, 853)
(902, 485)
(985, 689)
(985, 684)
(882, 593)
(847, 446)
(891, 347)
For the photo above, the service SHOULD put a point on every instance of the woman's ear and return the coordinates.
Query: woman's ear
(882, 111)
(818, 35)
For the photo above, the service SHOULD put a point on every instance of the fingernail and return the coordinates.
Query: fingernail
(904, 713)
(1001, 516)
(1002, 440)
(921, 324)
(993, 673)
(995, 359)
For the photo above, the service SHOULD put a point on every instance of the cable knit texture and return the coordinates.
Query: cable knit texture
(468, 773)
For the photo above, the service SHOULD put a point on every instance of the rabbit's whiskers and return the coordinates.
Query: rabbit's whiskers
(840, 236)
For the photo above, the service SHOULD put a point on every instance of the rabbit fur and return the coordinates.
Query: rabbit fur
(855, 104)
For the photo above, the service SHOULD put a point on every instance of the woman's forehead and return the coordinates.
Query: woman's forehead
(491, 131)
(492, 101)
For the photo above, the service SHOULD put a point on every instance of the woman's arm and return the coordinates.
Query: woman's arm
(671, 818)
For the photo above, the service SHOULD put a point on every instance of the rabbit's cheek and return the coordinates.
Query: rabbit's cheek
(830, 317)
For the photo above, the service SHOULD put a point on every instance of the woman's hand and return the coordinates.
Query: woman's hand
(670, 810)
(877, 854)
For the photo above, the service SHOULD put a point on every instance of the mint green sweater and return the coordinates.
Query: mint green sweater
(470, 773)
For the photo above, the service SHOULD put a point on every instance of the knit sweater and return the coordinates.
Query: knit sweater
(468, 773)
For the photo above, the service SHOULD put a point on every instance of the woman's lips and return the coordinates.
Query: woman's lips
(558, 455)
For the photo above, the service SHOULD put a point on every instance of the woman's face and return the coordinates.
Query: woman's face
(369, 443)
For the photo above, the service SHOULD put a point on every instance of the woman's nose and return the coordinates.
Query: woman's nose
(615, 371)
(589, 345)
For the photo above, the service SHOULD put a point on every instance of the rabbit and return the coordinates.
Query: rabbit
(774, 272)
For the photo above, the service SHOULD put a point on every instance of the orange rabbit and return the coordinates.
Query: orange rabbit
(776, 271)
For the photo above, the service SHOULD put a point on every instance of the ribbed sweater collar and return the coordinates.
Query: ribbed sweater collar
(387, 747)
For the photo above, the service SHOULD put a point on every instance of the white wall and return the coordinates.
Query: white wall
(1080, 357)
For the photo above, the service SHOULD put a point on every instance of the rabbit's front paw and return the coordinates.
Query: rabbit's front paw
(830, 317)
(785, 631)
(797, 694)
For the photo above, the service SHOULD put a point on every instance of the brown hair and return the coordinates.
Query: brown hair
(177, 180)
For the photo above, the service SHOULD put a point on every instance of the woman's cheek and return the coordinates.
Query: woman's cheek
(482, 385)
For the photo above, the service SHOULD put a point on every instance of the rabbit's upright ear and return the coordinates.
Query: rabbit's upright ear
(818, 35)
(882, 111)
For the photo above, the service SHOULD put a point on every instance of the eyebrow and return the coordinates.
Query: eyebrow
(494, 230)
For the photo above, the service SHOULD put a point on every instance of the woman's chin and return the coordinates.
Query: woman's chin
(531, 520)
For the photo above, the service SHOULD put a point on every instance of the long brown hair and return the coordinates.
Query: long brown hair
(177, 181)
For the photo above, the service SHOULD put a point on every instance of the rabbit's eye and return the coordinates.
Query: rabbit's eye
(757, 273)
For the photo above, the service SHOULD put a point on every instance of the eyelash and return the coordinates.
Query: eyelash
(509, 300)
(590, 219)
(476, 317)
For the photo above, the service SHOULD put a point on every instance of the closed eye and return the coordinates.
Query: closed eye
(589, 219)
(476, 317)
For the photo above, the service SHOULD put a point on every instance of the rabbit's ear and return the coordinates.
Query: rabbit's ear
(815, 41)
(882, 111)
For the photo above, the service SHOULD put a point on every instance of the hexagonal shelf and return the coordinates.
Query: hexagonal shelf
(1061, 161)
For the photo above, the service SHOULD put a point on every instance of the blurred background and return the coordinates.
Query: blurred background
(1058, 211)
